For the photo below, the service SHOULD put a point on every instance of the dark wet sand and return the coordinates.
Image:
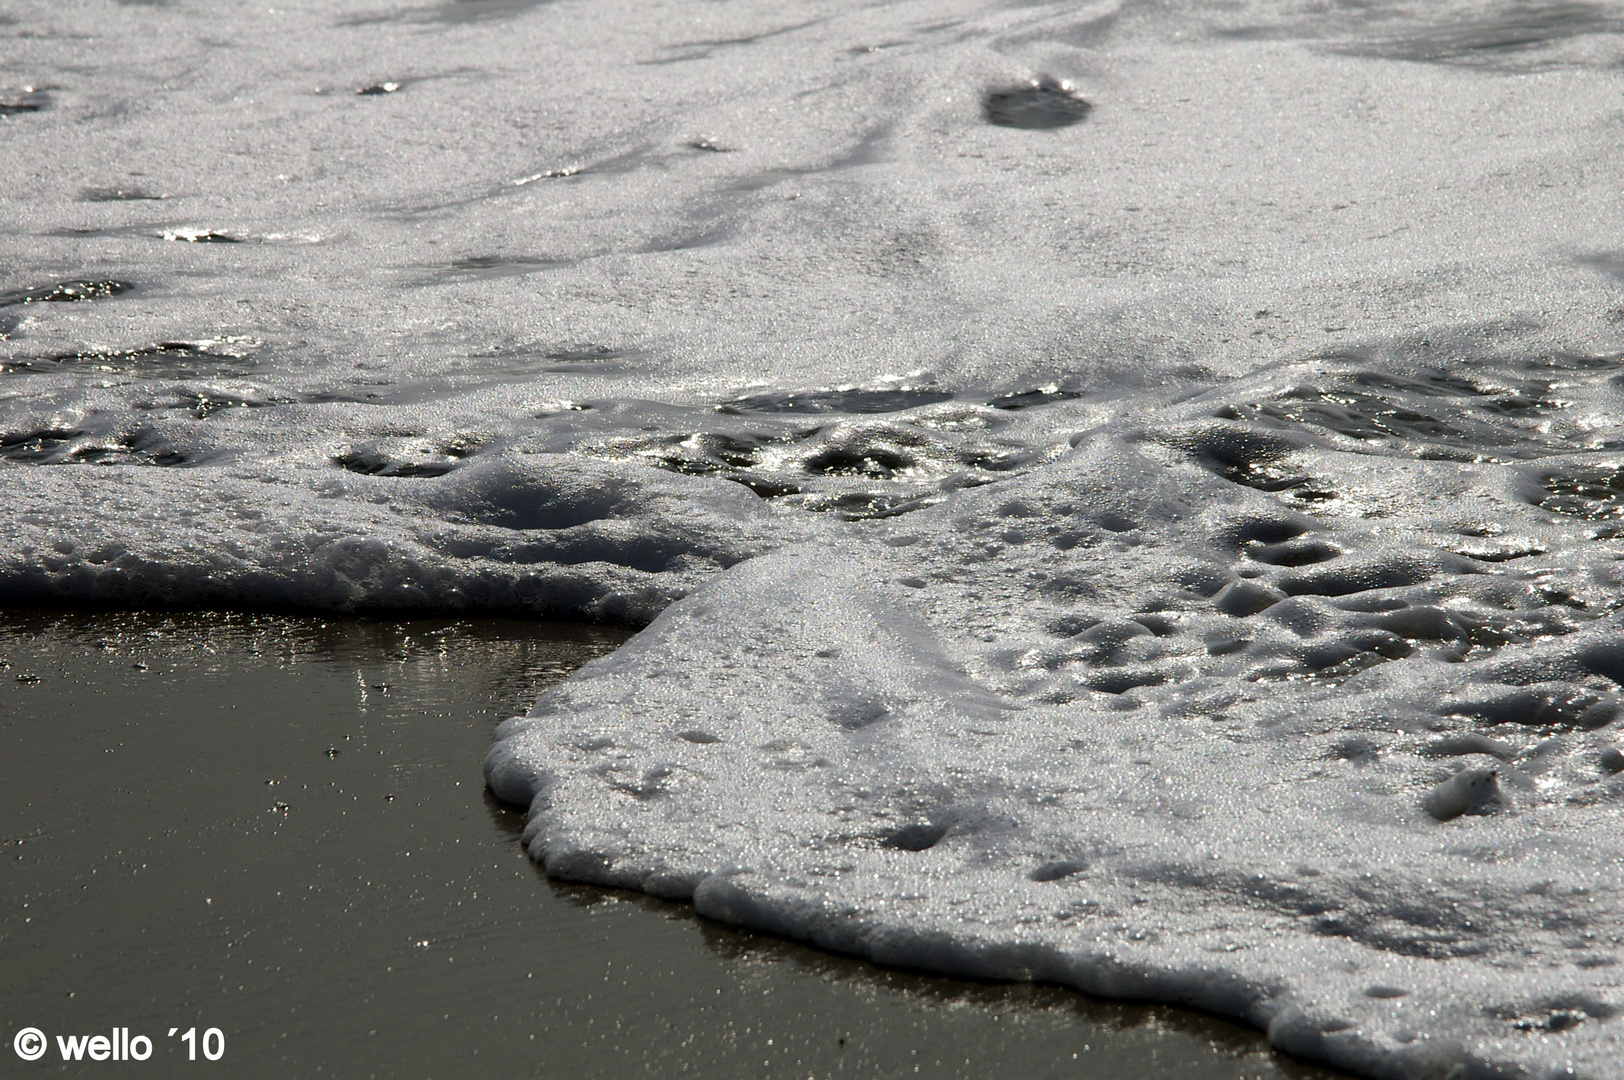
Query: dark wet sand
(277, 827)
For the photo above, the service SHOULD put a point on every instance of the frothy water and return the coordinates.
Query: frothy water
(1123, 495)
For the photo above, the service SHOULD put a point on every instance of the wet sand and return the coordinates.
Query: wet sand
(277, 827)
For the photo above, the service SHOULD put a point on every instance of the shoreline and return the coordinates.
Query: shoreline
(686, 955)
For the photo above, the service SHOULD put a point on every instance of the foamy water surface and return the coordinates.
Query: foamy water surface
(1124, 495)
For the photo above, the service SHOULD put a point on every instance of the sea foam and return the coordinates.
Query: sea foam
(1120, 495)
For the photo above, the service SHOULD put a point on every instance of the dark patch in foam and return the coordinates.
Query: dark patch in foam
(525, 362)
(1489, 39)
(867, 506)
(769, 462)
(1558, 1013)
(857, 713)
(834, 401)
(1043, 105)
(1595, 493)
(204, 403)
(455, 11)
(63, 446)
(1253, 457)
(1266, 530)
(376, 463)
(1356, 415)
(1556, 707)
(731, 457)
(1467, 744)
(65, 292)
(589, 357)
(704, 453)
(766, 487)
(1120, 682)
(1385, 992)
(1501, 552)
(1160, 625)
(995, 461)
(1606, 660)
(1027, 399)
(1202, 579)
(1383, 643)
(877, 463)
(496, 266)
(30, 100)
(200, 236)
(701, 738)
(459, 11)
(1241, 599)
(918, 837)
(1608, 262)
(1424, 622)
(214, 358)
(36, 447)
(403, 456)
(117, 194)
(1345, 580)
(858, 469)
(1357, 749)
(1294, 552)
(1446, 416)
(527, 504)
(1057, 871)
(1338, 656)
(1108, 639)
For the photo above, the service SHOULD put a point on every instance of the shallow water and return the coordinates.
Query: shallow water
(276, 826)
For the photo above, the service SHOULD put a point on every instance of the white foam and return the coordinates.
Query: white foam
(1219, 608)
(908, 753)
(540, 534)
